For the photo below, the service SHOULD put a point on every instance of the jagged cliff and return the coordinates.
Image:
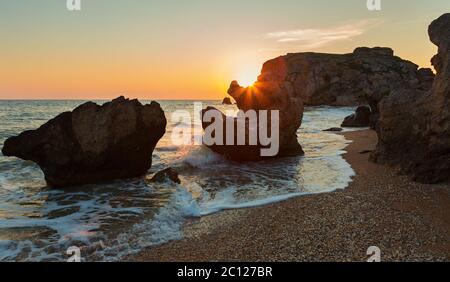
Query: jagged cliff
(414, 125)
(345, 79)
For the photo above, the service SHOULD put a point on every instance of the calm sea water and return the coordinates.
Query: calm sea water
(111, 221)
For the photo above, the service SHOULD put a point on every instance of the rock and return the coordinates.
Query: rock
(233, 152)
(426, 78)
(93, 143)
(334, 129)
(361, 118)
(400, 120)
(166, 174)
(363, 77)
(274, 95)
(380, 51)
(264, 95)
(227, 101)
(414, 125)
(345, 79)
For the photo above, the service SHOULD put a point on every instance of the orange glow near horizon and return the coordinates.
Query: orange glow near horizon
(160, 50)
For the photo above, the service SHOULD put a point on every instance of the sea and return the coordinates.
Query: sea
(114, 221)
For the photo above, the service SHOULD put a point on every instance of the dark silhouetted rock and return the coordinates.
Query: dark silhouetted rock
(414, 125)
(93, 143)
(345, 79)
(274, 95)
(379, 51)
(227, 101)
(166, 174)
(426, 78)
(334, 129)
(361, 118)
(265, 95)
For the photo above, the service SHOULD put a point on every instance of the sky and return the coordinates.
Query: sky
(187, 49)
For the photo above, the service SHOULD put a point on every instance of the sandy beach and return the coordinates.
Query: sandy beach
(408, 221)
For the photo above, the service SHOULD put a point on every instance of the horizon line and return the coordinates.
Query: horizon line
(106, 99)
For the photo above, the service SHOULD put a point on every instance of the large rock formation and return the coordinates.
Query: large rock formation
(359, 78)
(93, 143)
(414, 126)
(264, 95)
(288, 82)
(274, 95)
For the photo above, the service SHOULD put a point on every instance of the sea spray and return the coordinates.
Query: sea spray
(112, 221)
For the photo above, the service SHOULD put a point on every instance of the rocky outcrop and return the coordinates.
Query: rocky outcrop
(354, 79)
(227, 101)
(93, 143)
(274, 95)
(414, 125)
(166, 174)
(333, 129)
(361, 118)
(265, 95)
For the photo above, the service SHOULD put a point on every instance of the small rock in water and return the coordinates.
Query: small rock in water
(227, 101)
(335, 129)
(361, 118)
(163, 175)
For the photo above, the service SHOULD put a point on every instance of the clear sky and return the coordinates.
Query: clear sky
(187, 49)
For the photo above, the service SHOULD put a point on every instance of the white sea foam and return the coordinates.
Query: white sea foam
(115, 220)
(166, 225)
(200, 157)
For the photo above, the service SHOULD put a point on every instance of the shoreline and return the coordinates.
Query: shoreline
(406, 220)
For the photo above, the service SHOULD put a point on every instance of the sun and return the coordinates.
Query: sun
(247, 76)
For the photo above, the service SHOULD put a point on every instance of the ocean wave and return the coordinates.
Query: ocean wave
(199, 157)
(112, 221)
(166, 225)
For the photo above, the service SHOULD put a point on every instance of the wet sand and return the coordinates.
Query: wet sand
(406, 220)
